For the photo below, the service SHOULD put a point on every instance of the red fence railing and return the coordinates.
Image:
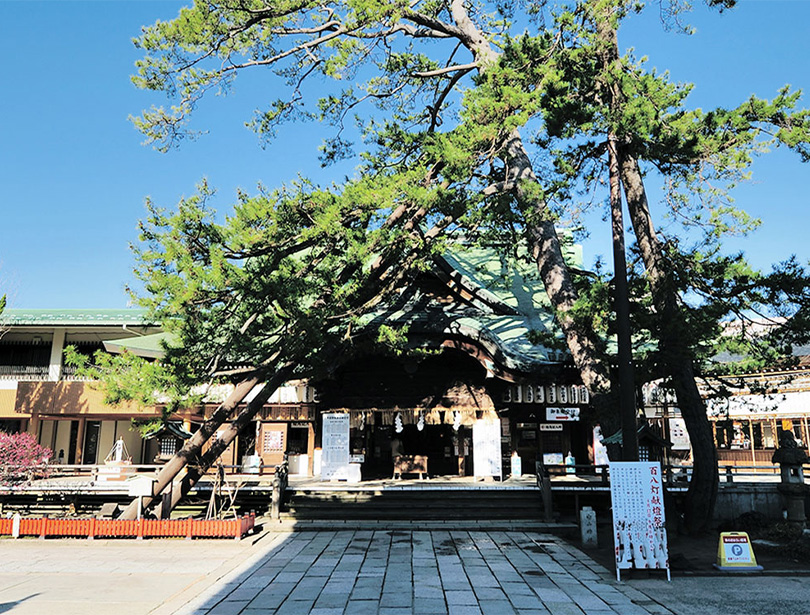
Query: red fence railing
(121, 528)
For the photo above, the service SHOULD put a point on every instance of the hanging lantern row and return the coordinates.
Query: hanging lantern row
(546, 394)
(360, 419)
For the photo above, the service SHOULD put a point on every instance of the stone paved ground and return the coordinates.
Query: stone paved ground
(121, 577)
(447, 572)
(422, 573)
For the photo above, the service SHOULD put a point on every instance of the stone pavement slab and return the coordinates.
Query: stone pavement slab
(352, 572)
(432, 572)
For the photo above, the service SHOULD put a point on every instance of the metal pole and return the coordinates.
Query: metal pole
(627, 397)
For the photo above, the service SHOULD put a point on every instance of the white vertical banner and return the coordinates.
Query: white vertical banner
(639, 526)
(335, 446)
(487, 448)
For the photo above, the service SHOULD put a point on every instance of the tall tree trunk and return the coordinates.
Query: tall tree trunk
(677, 357)
(672, 340)
(621, 306)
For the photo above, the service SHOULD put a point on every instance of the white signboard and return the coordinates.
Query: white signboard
(600, 454)
(551, 427)
(487, 448)
(562, 414)
(335, 446)
(140, 486)
(639, 532)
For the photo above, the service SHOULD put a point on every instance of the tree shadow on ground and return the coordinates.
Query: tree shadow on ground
(7, 607)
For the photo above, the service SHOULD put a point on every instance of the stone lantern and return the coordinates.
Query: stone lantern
(791, 458)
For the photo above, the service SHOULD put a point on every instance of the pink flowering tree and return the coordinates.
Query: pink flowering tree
(22, 458)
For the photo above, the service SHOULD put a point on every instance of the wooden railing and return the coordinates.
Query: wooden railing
(673, 474)
(676, 474)
(54, 470)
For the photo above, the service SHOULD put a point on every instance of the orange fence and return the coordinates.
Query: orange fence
(120, 528)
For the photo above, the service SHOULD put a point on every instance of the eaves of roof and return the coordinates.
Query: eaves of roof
(11, 317)
(147, 346)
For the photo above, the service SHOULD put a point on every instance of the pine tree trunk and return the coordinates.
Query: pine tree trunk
(672, 340)
(677, 357)
(554, 272)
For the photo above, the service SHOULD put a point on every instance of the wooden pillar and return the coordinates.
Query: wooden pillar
(806, 435)
(311, 449)
(80, 440)
(751, 436)
(33, 424)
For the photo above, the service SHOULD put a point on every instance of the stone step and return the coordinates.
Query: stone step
(416, 505)
(415, 496)
(290, 523)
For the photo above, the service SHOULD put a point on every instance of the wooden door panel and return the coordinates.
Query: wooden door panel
(272, 443)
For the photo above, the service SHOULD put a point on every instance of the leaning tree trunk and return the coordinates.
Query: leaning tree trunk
(192, 448)
(677, 356)
(197, 470)
(544, 242)
(555, 274)
(190, 456)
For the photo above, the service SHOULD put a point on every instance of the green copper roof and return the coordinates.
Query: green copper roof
(516, 285)
(62, 318)
(509, 302)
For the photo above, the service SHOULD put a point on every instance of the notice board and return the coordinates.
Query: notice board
(335, 446)
(639, 526)
(487, 448)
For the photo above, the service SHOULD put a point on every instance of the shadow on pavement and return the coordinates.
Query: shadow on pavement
(7, 607)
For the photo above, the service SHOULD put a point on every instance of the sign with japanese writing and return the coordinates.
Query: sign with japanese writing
(562, 414)
(335, 446)
(734, 553)
(487, 448)
(273, 440)
(639, 532)
(737, 550)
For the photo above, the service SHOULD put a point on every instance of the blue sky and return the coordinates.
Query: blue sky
(74, 175)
